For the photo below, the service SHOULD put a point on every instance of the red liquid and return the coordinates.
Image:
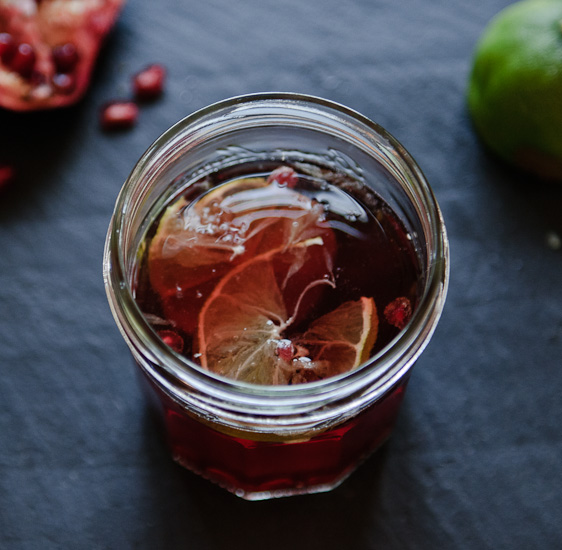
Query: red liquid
(374, 257)
(371, 253)
(261, 469)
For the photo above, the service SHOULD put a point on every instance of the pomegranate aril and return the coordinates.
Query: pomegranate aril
(149, 83)
(285, 350)
(398, 312)
(119, 115)
(23, 60)
(7, 47)
(65, 57)
(284, 176)
(172, 339)
(64, 83)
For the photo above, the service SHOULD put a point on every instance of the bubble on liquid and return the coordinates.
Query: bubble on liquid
(236, 251)
(325, 203)
(206, 229)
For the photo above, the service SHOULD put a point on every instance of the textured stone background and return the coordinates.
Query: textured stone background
(475, 459)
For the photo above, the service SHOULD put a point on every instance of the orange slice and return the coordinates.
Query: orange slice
(337, 342)
(198, 243)
(194, 238)
(243, 323)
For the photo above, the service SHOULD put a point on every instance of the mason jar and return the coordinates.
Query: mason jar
(261, 441)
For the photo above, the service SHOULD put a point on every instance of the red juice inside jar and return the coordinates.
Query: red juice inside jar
(266, 466)
(279, 274)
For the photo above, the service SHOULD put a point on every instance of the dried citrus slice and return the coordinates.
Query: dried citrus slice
(194, 238)
(338, 341)
(197, 243)
(243, 324)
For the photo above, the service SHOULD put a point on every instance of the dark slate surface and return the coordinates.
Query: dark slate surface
(475, 459)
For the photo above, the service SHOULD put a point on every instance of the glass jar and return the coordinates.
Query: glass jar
(267, 441)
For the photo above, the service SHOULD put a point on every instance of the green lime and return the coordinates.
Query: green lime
(515, 87)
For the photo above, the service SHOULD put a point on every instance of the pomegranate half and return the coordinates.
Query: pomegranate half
(48, 49)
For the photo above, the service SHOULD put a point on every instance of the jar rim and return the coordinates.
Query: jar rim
(379, 373)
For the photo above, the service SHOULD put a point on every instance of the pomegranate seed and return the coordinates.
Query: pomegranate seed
(285, 350)
(7, 47)
(65, 57)
(172, 339)
(64, 83)
(398, 312)
(149, 83)
(23, 60)
(284, 176)
(119, 115)
(7, 174)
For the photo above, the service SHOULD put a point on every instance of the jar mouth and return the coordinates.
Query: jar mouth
(381, 371)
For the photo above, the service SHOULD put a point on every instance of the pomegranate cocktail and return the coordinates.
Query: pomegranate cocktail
(277, 276)
(270, 292)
